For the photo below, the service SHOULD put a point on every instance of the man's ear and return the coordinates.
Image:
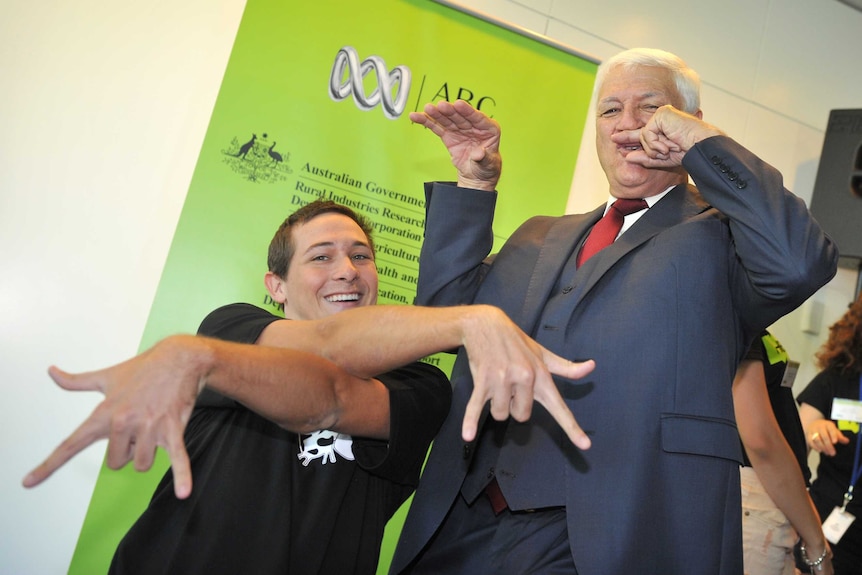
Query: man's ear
(276, 287)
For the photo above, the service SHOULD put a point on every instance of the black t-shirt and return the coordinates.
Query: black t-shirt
(767, 350)
(833, 473)
(266, 500)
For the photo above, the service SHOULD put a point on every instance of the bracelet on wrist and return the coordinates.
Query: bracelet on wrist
(817, 563)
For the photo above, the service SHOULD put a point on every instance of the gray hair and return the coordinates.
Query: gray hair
(687, 80)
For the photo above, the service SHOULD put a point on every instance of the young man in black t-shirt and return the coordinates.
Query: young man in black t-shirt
(269, 499)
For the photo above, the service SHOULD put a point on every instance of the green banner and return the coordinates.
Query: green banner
(314, 103)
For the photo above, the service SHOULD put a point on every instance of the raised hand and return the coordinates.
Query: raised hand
(148, 402)
(511, 370)
(472, 138)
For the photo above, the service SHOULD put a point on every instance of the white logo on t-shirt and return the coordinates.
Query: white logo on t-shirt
(324, 445)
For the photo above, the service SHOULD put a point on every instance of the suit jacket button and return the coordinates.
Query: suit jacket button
(741, 184)
(567, 289)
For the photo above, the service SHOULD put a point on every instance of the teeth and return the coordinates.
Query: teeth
(343, 297)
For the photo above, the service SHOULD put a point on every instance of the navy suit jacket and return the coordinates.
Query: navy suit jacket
(666, 312)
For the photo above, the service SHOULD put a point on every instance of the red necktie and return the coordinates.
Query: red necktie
(606, 229)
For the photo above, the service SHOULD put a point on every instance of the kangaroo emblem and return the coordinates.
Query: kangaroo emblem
(246, 147)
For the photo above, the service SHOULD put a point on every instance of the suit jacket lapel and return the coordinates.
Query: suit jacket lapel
(568, 232)
(564, 236)
(679, 204)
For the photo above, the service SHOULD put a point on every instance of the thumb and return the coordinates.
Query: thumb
(74, 382)
(566, 368)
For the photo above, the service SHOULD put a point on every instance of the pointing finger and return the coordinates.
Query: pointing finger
(549, 396)
(472, 414)
(80, 439)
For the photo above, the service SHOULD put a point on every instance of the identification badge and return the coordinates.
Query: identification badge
(846, 410)
(790, 374)
(837, 524)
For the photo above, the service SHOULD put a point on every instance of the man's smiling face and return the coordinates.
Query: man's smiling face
(332, 268)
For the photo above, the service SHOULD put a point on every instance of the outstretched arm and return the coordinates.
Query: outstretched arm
(772, 458)
(509, 368)
(149, 398)
(472, 138)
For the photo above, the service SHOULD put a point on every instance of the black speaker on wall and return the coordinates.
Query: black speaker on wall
(837, 199)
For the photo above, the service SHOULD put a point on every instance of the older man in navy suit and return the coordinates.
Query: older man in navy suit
(648, 481)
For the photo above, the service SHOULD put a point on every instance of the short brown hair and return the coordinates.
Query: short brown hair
(281, 248)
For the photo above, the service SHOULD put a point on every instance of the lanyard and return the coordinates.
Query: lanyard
(854, 476)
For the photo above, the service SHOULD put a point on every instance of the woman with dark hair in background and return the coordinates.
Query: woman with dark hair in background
(830, 411)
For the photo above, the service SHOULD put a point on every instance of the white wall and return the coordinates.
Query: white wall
(103, 108)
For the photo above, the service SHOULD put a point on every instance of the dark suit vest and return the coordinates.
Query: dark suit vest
(529, 459)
